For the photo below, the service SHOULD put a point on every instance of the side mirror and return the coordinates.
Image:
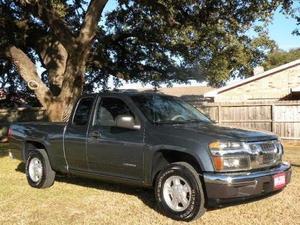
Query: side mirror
(126, 121)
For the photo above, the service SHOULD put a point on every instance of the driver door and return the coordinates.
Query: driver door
(112, 150)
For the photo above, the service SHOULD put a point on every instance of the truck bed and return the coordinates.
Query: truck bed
(27, 133)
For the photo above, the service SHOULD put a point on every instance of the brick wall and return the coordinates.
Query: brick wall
(272, 87)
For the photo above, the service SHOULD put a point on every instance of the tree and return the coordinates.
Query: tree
(142, 40)
(295, 13)
(279, 57)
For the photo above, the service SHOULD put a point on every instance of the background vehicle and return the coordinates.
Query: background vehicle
(153, 140)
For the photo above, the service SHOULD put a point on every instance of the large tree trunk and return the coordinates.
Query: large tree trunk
(53, 57)
(28, 72)
(72, 85)
(55, 110)
(58, 108)
(64, 57)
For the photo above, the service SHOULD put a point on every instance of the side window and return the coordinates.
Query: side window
(83, 111)
(109, 109)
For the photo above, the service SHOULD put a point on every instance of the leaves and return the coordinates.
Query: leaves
(151, 41)
(205, 40)
(279, 57)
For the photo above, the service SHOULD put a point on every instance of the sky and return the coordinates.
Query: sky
(280, 30)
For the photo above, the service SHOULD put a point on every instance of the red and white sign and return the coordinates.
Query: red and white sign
(279, 181)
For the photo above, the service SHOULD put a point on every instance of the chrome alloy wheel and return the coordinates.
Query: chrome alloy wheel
(177, 193)
(35, 170)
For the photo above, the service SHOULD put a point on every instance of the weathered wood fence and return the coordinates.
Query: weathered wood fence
(282, 118)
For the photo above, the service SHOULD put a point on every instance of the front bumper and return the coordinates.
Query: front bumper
(230, 186)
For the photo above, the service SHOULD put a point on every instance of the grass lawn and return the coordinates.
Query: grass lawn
(82, 201)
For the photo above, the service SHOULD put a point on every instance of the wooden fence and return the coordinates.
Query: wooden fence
(282, 118)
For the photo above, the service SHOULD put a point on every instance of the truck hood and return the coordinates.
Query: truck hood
(220, 132)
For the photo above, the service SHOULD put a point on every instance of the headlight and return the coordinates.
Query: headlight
(279, 147)
(231, 163)
(218, 146)
(229, 156)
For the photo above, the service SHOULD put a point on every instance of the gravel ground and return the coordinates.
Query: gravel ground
(82, 201)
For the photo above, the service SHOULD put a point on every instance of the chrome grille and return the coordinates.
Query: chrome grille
(268, 147)
(268, 158)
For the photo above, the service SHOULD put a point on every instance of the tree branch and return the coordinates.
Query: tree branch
(53, 57)
(115, 38)
(60, 29)
(90, 22)
(27, 70)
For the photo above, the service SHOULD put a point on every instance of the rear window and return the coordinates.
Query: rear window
(83, 111)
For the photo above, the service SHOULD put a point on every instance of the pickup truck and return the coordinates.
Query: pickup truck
(153, 140)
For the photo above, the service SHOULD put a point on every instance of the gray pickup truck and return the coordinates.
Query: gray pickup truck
(153, 140)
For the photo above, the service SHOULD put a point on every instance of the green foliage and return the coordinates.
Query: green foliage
(177, 40)
(280, 57)
(152, 41)
(295, 13)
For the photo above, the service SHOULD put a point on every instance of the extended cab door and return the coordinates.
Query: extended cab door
(112, 150)
(76, 134)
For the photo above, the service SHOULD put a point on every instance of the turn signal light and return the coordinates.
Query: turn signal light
(218, 162)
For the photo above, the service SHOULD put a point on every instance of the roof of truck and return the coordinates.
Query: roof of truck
(125, 92)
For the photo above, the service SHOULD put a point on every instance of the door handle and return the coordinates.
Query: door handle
(95, 134)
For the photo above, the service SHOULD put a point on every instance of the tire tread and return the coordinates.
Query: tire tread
(181, 166)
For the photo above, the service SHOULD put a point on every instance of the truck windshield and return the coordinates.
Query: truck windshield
(166, 109)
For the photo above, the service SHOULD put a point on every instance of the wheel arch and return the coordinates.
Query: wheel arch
(36, 146)
(164, 157)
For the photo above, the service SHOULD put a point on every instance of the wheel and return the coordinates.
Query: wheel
(179, 192)
(38, 170)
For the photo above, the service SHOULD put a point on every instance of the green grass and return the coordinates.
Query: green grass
(82, 201)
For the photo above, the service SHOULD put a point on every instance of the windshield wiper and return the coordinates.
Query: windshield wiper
(179, 122)
(168, 122)
(195, 121)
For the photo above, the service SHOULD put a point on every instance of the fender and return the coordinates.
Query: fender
(156, 161)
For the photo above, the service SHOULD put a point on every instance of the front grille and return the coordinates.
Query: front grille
(268, 158)
(268, 147)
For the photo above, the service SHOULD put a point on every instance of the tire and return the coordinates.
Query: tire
(38, 170)
(183, 200)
